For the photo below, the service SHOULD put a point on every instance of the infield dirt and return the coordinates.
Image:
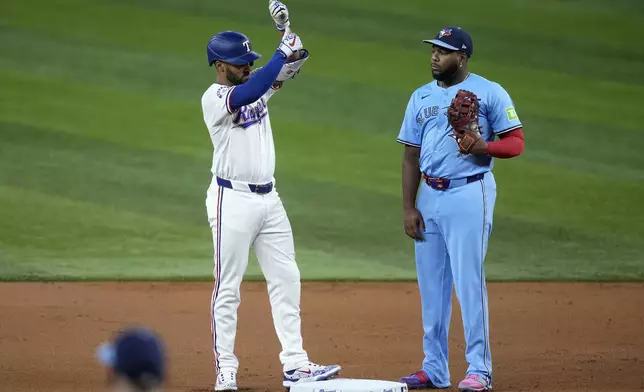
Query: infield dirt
(545, 336)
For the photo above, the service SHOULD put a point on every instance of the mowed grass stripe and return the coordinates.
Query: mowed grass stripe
(61, 238)
(79, 252)
(136, 120)
(406, 24)
(564, 260)
(62, 226)
(154, 183)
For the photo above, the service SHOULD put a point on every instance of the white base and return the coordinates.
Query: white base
(349, 385)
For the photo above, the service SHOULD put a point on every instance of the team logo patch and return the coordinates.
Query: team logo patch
(444, 32)
(511, 113)
(221, 92)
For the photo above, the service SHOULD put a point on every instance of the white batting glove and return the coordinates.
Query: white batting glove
(279, 13)
(290, 44)
(292, 68)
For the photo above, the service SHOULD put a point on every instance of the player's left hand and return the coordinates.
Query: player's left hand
(471, 143)
(292, 66)
(463, 116)
(279, 13)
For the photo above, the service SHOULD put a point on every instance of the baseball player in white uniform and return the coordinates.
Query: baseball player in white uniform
(243, 206)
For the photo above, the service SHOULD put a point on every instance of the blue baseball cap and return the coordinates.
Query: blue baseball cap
(135, 353)
(453, 38)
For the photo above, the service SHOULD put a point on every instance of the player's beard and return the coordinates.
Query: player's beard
(234, 79)
(446, 75)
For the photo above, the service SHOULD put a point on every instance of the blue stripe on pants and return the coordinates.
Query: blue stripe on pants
(215, 292)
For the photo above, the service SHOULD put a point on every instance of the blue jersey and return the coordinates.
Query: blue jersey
(425, 125)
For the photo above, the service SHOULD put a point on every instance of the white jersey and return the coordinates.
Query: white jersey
(242, 139)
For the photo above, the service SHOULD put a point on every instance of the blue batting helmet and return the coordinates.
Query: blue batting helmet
(231, 47)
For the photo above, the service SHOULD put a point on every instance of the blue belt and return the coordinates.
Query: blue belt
(254, 188)
(441, 184)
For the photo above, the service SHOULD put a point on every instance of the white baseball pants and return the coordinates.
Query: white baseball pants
(240, 219)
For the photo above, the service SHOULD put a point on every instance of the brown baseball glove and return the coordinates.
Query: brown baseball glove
(463, 116)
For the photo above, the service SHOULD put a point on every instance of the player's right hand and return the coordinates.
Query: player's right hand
(414, 224)
(290, 44)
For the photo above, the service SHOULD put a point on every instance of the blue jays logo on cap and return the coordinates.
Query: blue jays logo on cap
(444, 32)
(453, 38)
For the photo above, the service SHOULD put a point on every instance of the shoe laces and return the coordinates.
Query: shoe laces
(314, 366)
(222, 376)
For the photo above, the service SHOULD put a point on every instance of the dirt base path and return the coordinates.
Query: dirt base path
(545, 337)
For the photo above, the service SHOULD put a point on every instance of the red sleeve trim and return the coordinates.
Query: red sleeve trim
(511, 144)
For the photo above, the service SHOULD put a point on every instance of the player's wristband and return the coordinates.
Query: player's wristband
(258, 84)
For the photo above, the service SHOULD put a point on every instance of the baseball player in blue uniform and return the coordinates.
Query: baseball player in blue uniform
(450, 215)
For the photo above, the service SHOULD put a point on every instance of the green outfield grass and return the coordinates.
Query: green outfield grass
(104, 157)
